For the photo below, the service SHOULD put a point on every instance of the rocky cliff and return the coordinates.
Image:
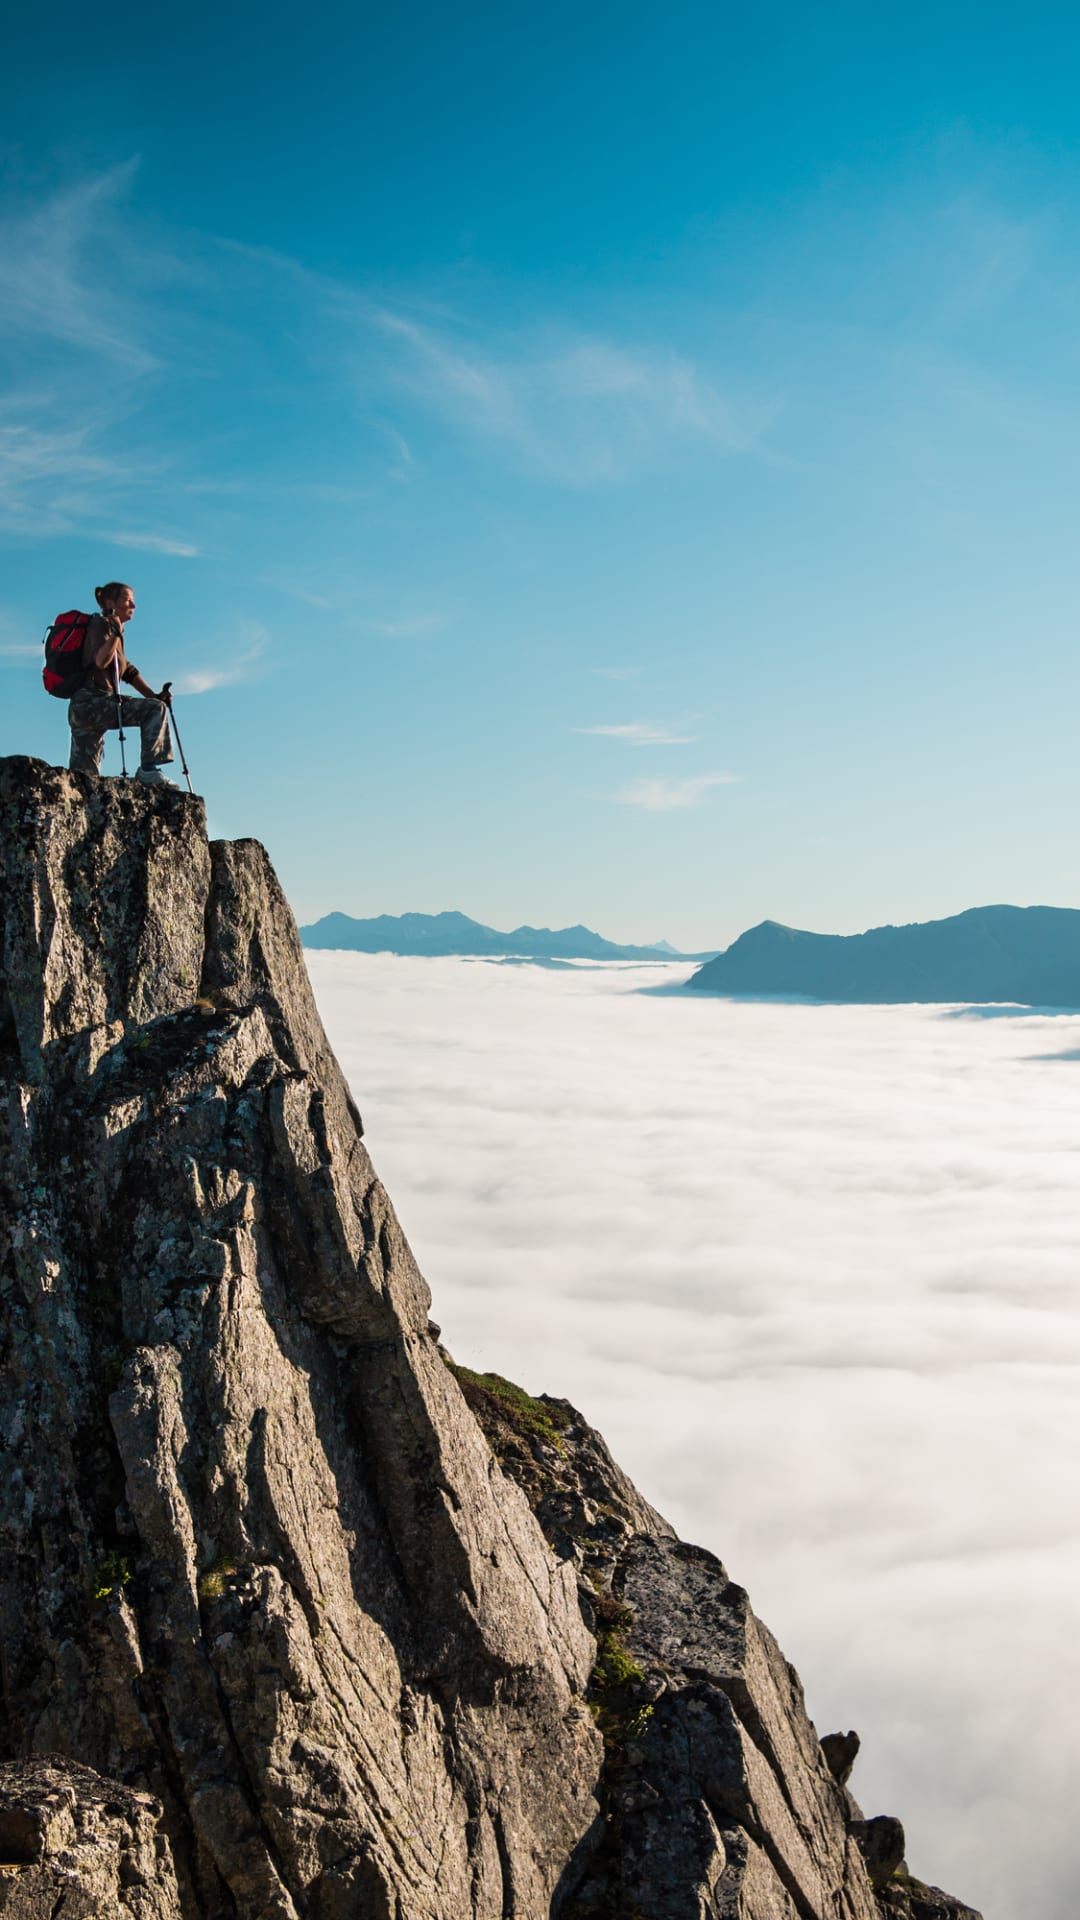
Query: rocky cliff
(296, 1617)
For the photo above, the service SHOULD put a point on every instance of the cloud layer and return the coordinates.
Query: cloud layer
(813, 1272)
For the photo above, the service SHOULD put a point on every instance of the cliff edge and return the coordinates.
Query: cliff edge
(296, 1617)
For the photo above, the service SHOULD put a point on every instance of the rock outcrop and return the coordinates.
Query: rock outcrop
(74, 1845)
(340, 1630)
(719, 1799)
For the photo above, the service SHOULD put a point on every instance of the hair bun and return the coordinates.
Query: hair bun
(110, 591)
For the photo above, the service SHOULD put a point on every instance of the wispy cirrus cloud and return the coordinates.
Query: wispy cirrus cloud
(31, 452)
(54, 477)
(53, 286)
(641, 733)
(76, 453)
(153, 543)
(575, 406)
(57, 479)
(230, 670)
(578, 409)
(669, 796)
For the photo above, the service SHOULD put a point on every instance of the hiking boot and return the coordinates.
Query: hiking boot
(153, 777)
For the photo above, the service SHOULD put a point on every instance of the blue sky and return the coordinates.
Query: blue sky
(614, 464)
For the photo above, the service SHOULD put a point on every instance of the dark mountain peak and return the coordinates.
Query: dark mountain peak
(1030, 955)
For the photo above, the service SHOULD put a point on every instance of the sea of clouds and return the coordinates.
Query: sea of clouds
(813, 1272)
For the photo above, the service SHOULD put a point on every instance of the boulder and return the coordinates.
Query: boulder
(74, 1844)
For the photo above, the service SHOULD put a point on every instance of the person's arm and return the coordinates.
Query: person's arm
(133, 678)
(106, 652)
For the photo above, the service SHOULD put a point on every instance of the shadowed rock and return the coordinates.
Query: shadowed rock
(840, 1750)
(882, 1843)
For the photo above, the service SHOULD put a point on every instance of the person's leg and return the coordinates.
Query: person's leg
(152, 719)
(90, 715)
(86, 750)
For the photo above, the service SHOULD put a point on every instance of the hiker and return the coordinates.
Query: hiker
(98, 705)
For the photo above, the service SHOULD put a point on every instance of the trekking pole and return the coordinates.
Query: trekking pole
(119, 717)
(167, 697)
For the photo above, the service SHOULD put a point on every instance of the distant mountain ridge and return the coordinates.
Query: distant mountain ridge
(1029, 955)
(446, 934)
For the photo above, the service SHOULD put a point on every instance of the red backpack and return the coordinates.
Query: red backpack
(63, 669)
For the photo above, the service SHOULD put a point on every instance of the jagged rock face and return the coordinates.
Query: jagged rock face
(75, 1846)
(908, 1899)
(719, 1800)
(730, 1698)
(258, 1560)
(257, 1556)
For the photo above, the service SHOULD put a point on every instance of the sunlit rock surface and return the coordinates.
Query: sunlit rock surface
(331, 1644)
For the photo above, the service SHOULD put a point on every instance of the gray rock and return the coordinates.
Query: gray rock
(587, 1507)
(905, 1898)
(719, 1799)
(383, 1639)
(841, 1751)
(256, 1557)
(881, 1842)
(735, 1706)
(75, 1844)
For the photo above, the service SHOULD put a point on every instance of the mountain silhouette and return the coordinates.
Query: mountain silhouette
(455, 933)
(1029, 955)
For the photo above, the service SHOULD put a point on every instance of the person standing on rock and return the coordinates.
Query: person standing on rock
(98, 705)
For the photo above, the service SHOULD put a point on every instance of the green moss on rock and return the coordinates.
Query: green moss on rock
(113, 1571)
(496, 1402)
